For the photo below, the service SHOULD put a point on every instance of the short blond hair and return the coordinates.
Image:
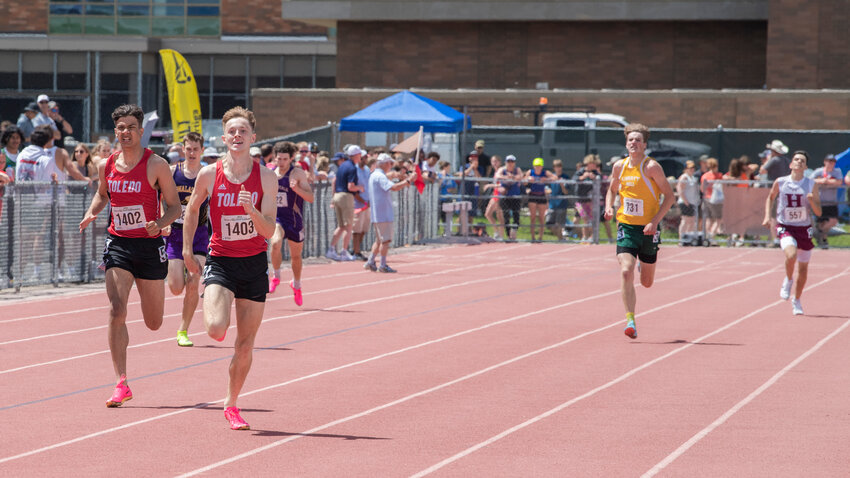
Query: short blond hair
(239, 112)
(557, 163)
(637, 128)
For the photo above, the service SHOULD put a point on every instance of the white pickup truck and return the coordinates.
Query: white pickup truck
(570, 136)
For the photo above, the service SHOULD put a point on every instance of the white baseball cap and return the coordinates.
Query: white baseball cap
(255, 151)
(353, 150)
(42, 98)
(384, 158)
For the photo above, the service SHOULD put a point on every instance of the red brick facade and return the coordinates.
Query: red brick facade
(640, 55)
(261, 17)
(19, 16)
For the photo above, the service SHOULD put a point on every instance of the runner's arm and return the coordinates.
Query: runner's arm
(301, 185)
(203, 185)
(613, 189)
(99, 200)
(168, 190)
(656, 172)
(814, 199)
(264, 218)
(774, 190)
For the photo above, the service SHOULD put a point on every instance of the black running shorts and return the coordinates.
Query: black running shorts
(144, 257)
(246, 277)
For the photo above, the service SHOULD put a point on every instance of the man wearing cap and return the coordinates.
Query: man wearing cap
(472, 169)
(210, 156)
(483, 159)
(828, 178)
(43, 116)
(380, 189)
(256, 154)
(777, 164)
(25, 120)
(509, 176)
(345, 187)
(64, 127)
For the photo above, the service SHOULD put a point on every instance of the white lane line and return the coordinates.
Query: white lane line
(474, 374)
(324, 372)
(273, 299)
(428, 259)
(752, 396)
(610, 384)
(316, 311)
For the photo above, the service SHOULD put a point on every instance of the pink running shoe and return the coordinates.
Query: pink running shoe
(296, 294)
(273, 283)
(236, 422)
(121, 394)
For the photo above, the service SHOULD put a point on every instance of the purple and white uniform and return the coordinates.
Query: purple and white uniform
(289, 208)
(174, 241)
(792, 211)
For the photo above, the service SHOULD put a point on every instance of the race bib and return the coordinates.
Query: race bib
(237, 228)
(632, 207)
(125, 218)
(281, 200)
(795, 214)
(179, 220)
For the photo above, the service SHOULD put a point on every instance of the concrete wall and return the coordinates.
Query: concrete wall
(287, 111)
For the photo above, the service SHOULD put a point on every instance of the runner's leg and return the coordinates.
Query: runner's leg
(118, 285)
(217, 301)
(152, 297)
(249, 315)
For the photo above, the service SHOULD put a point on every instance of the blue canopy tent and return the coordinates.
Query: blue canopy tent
(405, 112)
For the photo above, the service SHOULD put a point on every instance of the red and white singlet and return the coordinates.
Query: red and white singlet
(233, 231)
(133, 201)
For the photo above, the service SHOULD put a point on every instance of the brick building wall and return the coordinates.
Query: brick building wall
(285, 111)
(261, 17)
(642, 55)
(19, 16)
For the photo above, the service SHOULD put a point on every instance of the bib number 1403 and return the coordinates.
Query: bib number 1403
(237, 228)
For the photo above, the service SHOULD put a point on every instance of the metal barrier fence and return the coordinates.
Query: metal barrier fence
(742, 213)
(40, 223)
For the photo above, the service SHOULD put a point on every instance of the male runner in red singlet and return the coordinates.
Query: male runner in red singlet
(132, 181)
(242, 216)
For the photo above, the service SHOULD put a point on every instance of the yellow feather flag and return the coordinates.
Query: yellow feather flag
(182, 95)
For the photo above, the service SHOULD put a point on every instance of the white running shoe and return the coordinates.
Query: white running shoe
(332, 255)
(346, 256)
(796, 307)
(785, 291)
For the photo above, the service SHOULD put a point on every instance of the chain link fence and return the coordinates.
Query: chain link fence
(43, 245)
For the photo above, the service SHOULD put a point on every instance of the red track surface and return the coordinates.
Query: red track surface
(494, 360)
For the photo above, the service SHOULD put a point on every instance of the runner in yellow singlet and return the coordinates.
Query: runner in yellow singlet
(640, 183)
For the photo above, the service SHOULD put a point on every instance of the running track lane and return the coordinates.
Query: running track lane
(516, 338)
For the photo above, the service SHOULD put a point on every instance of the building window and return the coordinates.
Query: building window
(158, 18)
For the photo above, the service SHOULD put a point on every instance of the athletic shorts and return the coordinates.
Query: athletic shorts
(343, 204)
(687, 210)
(144, 257)
(246, 277)
(174, 242)
(715, 211)
(537, 199)
(384, 231)
(293, 228)
(362, 221)
(828, 212)
(801, 234)
(632, 240)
